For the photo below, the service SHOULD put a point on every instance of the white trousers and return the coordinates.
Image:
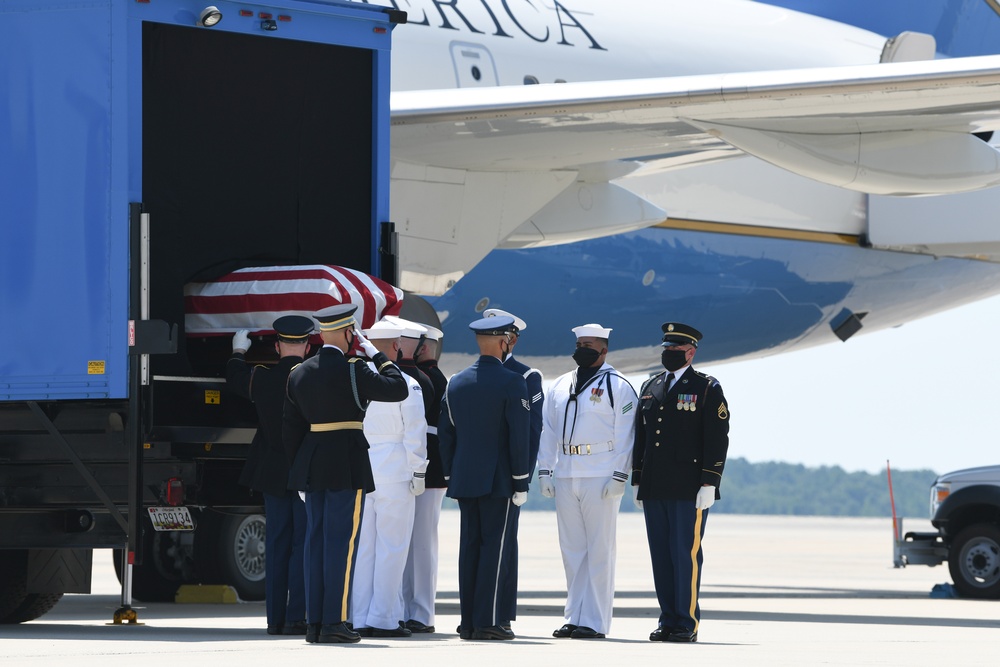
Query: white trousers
(382, 547)
(420, 576)
(587, 533)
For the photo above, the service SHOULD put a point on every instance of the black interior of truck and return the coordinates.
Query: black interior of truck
(256, 152)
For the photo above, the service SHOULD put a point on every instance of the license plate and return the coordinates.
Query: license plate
(171, 518)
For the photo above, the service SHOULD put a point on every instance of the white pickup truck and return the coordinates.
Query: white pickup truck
(965, 509)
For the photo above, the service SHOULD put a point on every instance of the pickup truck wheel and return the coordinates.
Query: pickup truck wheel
(974, 561)
(241, 554)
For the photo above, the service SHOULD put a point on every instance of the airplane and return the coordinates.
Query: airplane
(675, 162)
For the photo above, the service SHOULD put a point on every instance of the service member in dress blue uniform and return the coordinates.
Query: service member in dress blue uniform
(397, 436)
(325, 403)
(584, 461)
(266, 470)
(484, 435)
(420, 576)
(533, 378)
(681, 440)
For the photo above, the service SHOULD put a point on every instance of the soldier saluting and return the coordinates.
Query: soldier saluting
(681, 440)
(324, 407)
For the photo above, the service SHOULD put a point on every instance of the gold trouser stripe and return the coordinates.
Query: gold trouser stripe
(336, 426)
(754, 230)
(344, 611)
(695, 547)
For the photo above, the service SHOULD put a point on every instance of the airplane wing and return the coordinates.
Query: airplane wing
(498, 162)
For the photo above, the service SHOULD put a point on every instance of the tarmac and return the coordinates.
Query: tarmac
(775, 591)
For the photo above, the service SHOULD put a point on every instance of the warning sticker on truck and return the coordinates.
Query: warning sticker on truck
(213, 397)
(95, 368)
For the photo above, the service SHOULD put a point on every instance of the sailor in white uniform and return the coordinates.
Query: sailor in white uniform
(583, 460)
(397, 435)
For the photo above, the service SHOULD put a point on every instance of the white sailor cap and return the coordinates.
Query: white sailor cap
(595, 330)
(382, 330)
(496, 312)
(433, 333)
(410, 329)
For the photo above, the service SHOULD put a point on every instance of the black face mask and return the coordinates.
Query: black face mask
(350, 344)
(673, 359)
(399, 356)
(585, 356)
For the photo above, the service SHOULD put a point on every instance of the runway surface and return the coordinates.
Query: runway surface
(775, 591)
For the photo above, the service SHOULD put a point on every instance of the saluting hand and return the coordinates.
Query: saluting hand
(241, 340)
(365, 345)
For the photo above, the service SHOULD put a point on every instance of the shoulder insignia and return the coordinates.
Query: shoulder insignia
(527, 406)
(723, 411)
(353, 360)
(627, 407)
(294, 367)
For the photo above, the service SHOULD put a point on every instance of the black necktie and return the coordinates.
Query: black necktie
(670, 379)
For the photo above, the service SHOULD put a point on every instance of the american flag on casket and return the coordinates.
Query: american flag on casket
(253, 298)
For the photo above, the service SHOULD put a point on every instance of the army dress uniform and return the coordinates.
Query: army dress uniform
(266, 470)
(420, 577)
(681, 442)
(483, 434)
(397, 436)
(587, 441)
(324, 406)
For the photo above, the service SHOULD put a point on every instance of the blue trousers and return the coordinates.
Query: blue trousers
(484, 557)
(333, 523)
(284, 543)
(675, 529)
(510, 590)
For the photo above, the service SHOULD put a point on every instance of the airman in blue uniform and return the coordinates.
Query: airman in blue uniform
(325, 404)
(266, 470)
(533, 378)
(681, 441)
(484, 438)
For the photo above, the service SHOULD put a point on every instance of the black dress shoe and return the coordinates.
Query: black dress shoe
(312, 633)
(463, 633)
(365, 632)
(583, 632)
(274, 629)
(398, 631)
(417, 626)
(294, 628)
(682, 636)
(660, 634)
(564, 632)
(338, 633)
(492, 632)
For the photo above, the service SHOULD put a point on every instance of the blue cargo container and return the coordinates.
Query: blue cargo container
(141, 148)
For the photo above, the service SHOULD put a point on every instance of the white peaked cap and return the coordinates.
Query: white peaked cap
(496, 312)
(433, 333)
(595, 330)
(382, 330)
(410, 329)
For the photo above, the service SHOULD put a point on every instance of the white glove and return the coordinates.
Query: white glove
(615, 488)
(519, 497)
(302, 496)
(366, 346)
(417, 484)
(705, 499)
(241, 340)
(635, 497)
(547, 486)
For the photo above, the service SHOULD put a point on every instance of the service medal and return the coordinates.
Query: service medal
(694, 402)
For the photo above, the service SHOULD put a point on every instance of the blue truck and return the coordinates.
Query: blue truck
(144, 145)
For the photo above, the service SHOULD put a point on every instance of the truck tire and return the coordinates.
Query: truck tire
(241, 554)
(13, 583)
(974, 561)
(16, 604)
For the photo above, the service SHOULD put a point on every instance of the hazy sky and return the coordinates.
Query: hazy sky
(922, 395)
